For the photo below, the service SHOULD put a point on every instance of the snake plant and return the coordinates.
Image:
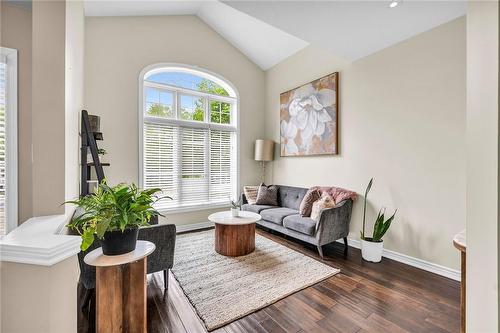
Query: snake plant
(381, 224)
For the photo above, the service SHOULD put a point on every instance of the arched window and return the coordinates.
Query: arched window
(189, 127)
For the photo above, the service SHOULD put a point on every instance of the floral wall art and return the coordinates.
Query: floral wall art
(308, 118)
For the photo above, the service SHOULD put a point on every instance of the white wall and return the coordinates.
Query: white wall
(402, 121)
(48, 106)
(75, 30)
(39, 298)
(43, 298)
(118, 48)
(16, 34)
(482, 166)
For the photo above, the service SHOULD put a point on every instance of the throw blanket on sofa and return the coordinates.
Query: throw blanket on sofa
(338, 194)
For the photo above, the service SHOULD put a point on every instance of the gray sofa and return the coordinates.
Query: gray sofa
(333, 223)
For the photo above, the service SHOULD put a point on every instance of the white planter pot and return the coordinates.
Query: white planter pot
(235, 212)
(372, 251)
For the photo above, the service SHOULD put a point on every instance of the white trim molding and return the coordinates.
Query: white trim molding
(412, 261)
(38, 242)
(193, 226)
(195, 208)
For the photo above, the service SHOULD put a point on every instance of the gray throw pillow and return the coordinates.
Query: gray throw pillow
(267, 195)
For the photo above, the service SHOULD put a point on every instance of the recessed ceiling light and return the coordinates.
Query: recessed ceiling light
(394, 4)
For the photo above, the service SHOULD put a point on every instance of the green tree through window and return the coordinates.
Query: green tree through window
(211, 88)
(159, 110)
(220, 112)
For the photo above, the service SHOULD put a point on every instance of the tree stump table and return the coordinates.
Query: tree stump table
(121, 289)
(234, 236)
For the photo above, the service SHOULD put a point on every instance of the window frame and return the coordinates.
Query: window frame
(233, 99)
(174, 100)
(11, 114)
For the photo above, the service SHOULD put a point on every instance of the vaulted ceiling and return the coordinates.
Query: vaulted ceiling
(268, 32)
(262, 43)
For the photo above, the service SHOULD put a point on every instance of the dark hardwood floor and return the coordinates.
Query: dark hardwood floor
(364, 297)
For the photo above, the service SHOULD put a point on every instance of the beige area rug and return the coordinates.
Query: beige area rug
(223, 289)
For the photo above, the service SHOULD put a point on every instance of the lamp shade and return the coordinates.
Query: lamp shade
(264, 150)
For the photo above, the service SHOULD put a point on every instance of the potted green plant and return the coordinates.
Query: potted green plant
(102, 154)
(372, 247)
(114, 214)
(235, 207)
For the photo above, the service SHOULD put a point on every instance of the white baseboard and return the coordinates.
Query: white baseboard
(403, 258)
(411, 261)
(194, 226)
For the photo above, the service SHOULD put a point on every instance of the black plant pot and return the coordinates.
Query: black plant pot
(118, 242)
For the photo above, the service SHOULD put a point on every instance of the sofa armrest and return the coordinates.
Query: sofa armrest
(334, 222)
(243, 199)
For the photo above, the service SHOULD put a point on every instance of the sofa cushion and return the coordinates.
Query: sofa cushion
(276, 215)
(255, 208)
(291, 197)
(305, 225)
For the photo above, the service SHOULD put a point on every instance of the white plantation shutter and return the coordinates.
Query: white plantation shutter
(192, 161)
(8, 140)
(222, 168)
(194, 168)
(3, 175)
(160, 159)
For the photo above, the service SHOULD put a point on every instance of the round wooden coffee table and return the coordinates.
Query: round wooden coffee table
(234, 236)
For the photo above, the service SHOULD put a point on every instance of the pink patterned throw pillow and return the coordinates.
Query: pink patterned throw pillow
(326, 201)
(306, 204)
(337, 193)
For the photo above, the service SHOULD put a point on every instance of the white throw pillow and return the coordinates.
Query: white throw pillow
(326, 201)
(251, 194)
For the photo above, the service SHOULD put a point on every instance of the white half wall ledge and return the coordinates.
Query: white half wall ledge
(38, 242)
(402, 258)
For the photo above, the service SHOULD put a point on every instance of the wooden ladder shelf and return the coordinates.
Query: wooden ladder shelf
(89, 141)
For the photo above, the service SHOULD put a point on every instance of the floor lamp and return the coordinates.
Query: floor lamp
(264, 152)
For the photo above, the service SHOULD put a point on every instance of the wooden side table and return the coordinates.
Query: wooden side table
(234, 236)
(459, 241)
(121, 289)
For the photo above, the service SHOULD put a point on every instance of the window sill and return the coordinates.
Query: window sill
(188, 209)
